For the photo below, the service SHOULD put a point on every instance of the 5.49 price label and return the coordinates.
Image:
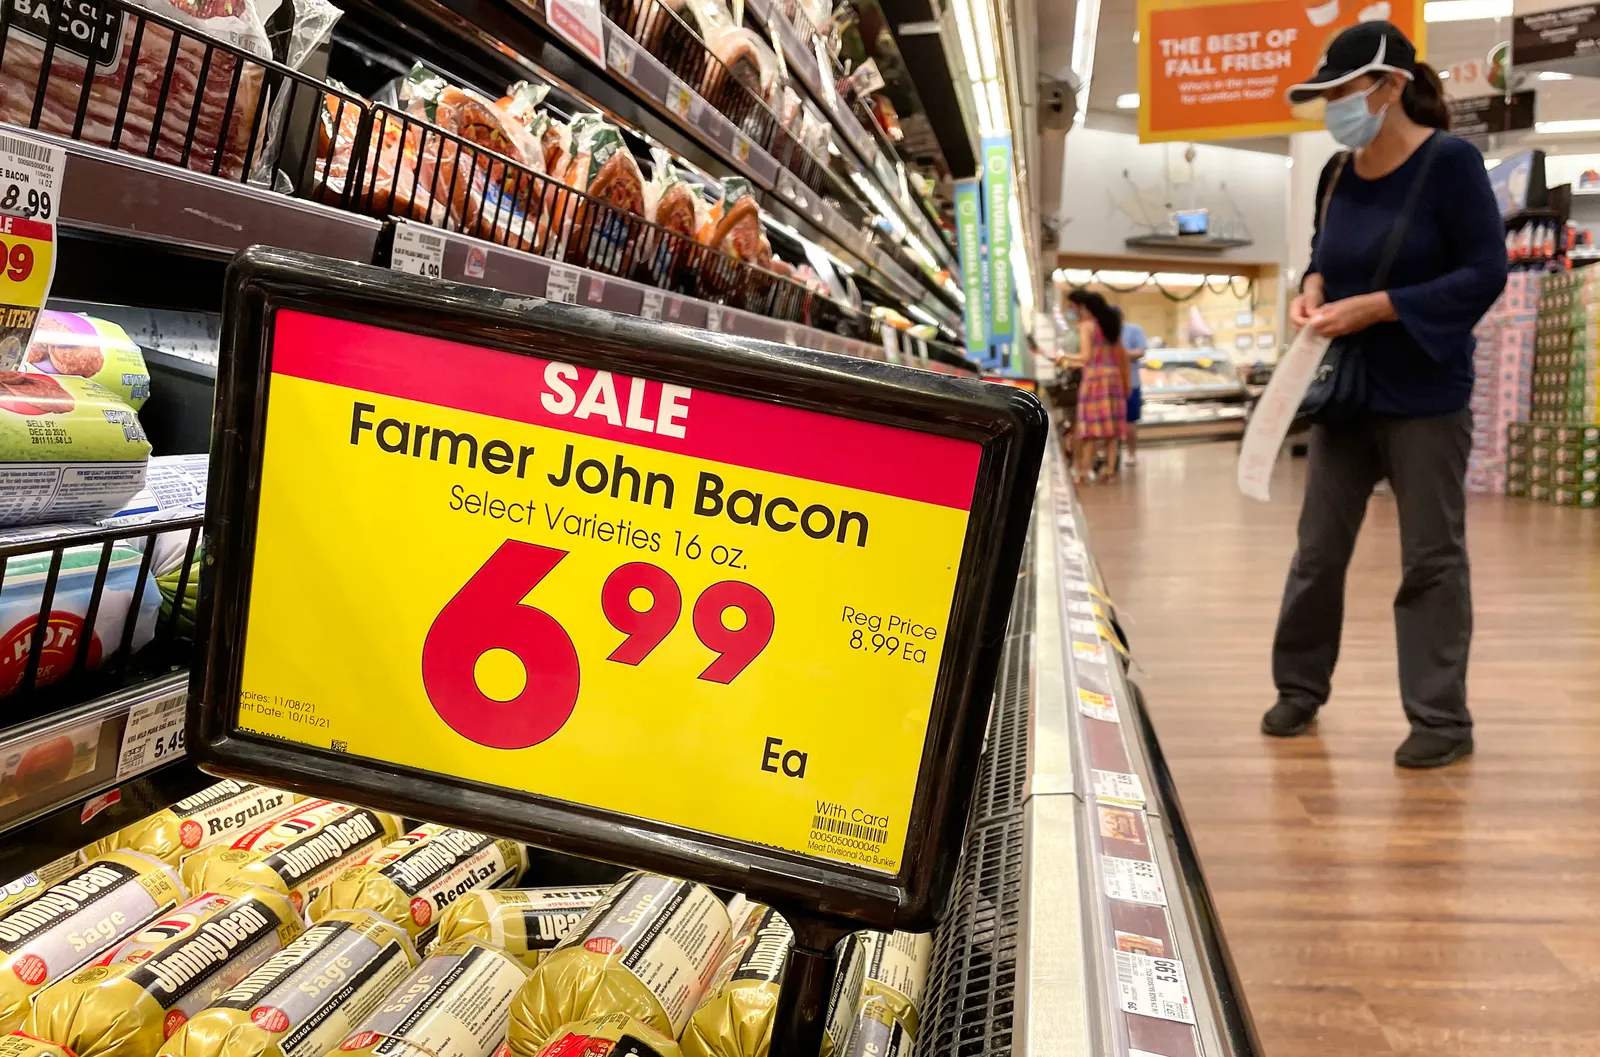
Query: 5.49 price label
(679, 605)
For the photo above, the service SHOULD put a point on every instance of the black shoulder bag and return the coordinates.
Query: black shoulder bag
(1338, 392)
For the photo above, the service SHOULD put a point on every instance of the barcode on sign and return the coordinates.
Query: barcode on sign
(25, 148)
(432, 242)
(849, 829)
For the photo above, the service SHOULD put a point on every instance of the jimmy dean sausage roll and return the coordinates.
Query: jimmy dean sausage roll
(455, 1004)
(734, 1019)
(307, 998)
(526, 922)
(78, 918)
(648, 949)
(897, 972)
(877, 1032)
(614, 1035)
(129, 1002)
(209, 817)
(29, 885)
(416, 878)
(17, 1044)
(296, 852)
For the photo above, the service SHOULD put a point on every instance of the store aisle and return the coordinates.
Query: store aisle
(1372, 910)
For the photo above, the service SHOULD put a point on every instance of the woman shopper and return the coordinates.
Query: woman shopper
(1401, 308)
(1102, 395)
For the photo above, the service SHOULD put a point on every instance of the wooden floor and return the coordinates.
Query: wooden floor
(1371, 910)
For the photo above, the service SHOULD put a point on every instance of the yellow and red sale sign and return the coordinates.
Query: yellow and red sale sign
(1219, 69)
(709, 611)
(30, 199)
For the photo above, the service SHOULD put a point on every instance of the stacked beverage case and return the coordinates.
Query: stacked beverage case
(248, 922)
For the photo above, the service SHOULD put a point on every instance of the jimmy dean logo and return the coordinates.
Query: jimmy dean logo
(207, 797)
(546, 927)
(270, 973)
(430, 861)
(299, 860)
(174, 972)
(64, 899)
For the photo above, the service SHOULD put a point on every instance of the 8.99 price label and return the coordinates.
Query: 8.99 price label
(30, 195)
(680, 605)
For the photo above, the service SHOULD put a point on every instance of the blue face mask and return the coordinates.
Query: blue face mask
(1350, 122)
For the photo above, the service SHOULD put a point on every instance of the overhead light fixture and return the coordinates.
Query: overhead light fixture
(1490, 163)
(1444, 75)
(1552, 75)
(1128, 101)
(1288, 163)
(1465, 10)
(1086, 26)
(983, 28)
(1556, 128)
(1136, 36)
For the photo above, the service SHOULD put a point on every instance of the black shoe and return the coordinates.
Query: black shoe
(1426, 748)
(1287, 719)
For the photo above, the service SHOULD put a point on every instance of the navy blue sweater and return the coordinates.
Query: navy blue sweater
(1450, 268)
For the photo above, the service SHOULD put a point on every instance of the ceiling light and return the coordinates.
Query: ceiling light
(1490, 163)
(1465, 10)
(1555, 128)
(983, 29)
(969, 50)
(1086, 26)
(1130, 101)
(1136, 36)
(1288, 163)
(1552, 75)
(1444, 75)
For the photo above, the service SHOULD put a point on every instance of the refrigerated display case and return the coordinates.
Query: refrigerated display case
(162, 188)
(1190, 393)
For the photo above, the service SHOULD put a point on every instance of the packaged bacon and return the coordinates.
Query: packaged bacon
(132, 93)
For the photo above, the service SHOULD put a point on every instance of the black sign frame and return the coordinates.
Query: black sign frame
(1010, 424)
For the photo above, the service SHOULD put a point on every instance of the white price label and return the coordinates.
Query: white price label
(1088, 652)
(741, 147)
(153, 736)
(653, 300)
(679, 98)
(891, 343)
(1118, 788)
(1097, 706)
(714, 318)
(619, 54)
(1081, 626)
(791, 337)
(1133, 880)
(417, 252)
(1153, 987)
(562, 285)
(31, 173)
(1078, 605)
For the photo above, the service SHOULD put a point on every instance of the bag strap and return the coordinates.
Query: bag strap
(1397, 234)
(1327, 193)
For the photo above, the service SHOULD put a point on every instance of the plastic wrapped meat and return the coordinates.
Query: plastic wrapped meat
(601, 166)
(738, 233)
(748, 58)
(226, 110)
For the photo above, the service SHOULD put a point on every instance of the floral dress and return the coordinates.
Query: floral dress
(1102, 402)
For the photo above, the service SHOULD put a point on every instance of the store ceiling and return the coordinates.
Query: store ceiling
(1116, 73)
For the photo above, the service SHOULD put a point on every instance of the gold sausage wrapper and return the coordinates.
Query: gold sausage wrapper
(21, 1044)
(76, 920)
(648, 949)
(29, 885)
(877, 1032)
(455, 1004)
(297, 852)
(307, 998)
(735, 1017)
(137, 996)
(414, 880)
(526, 923)
(211, 816)
(897, 972)
(615, 1034)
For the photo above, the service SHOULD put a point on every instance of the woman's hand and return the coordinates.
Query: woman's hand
(1303, 305)
(1350, 314)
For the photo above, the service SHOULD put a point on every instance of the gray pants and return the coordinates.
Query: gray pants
(1425, 460)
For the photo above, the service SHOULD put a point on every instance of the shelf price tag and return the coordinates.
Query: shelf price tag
(741, 147)
(417, 251)
(619, 54)
(1133, 880)
(1153, 987)
(154, 734)
(679, 98)
(653, 300)
(714, 318)
(1118, 788)
(31, 174)
(562, 285)
(579, 23)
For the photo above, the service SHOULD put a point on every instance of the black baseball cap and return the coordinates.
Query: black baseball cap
(1366, 47)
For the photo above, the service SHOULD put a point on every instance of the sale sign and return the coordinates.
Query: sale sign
(30, 198)
(723, 614)
(1219, 69)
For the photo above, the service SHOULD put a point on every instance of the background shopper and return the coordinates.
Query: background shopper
(1134, 343)
(1102, 396)
(1414, 340)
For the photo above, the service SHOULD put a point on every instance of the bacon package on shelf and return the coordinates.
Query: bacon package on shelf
(108, 79)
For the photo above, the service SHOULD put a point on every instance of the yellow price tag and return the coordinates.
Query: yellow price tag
(30, 198)
(1156, 364)
(679, 98)
(1204, 361)
(673, 604)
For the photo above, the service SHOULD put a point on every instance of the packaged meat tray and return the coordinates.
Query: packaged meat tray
(70, 449)
(77, 344)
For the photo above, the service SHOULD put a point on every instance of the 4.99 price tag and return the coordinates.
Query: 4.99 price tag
(658, 601)
(30, 196)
